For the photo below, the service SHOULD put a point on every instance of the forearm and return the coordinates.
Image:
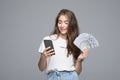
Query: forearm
(78, 62)
(42, 63)
(78, 66)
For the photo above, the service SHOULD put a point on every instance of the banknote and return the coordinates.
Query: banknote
(86, 40)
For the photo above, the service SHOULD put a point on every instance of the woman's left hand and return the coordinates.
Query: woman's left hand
(83, 55)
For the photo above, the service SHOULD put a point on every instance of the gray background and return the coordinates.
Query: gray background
(23, 24)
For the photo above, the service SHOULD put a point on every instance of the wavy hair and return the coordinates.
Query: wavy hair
(72, 32)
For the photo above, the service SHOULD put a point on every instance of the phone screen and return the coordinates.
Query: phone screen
(48, 43)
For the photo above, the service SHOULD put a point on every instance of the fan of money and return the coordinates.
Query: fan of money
(86, 40)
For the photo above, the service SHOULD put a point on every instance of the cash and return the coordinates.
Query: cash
(86, 40)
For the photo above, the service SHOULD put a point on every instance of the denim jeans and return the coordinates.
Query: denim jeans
(62, 75)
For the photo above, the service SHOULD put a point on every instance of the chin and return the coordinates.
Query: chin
(63, 33)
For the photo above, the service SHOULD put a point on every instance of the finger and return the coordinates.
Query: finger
(50, 54)
(50, 50)
(85, 50)
(46, 49)
(85, 55)
(80, 57)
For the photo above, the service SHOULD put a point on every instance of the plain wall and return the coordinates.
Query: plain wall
(23, 24)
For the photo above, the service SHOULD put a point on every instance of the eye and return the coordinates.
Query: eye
(66, 22)
(59, 22)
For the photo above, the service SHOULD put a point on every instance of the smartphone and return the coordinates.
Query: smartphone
(48, 43)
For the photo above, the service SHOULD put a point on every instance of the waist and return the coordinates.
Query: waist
(62, 69)
(61, 73)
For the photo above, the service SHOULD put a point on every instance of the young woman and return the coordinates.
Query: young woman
(64, 62)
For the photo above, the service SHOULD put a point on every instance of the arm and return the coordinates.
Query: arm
(78, 62)
(42, 64)
(78, 66)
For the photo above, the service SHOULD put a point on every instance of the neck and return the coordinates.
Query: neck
(64, 36)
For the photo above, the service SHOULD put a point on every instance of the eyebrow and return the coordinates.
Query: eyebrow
(64, 21)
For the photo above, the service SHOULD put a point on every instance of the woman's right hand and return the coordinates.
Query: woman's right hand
(43, 59)
(48, 52)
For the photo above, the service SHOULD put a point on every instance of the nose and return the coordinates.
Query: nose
(62, 25)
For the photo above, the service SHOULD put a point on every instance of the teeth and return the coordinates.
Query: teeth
(62, 29)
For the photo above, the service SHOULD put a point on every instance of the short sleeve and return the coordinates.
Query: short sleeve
(41, 47)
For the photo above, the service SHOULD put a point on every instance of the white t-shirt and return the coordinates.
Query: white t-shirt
(59, 61)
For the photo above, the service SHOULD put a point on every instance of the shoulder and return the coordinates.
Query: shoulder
(50, 37)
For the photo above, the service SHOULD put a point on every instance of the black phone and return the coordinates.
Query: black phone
(48, 43)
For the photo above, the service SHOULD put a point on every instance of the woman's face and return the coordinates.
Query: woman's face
(63, 24)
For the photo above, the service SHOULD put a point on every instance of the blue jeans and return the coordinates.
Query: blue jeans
(62, 75)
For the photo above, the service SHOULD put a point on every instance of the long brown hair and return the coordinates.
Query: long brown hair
(72, 33)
